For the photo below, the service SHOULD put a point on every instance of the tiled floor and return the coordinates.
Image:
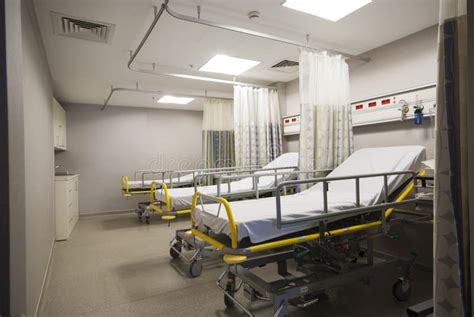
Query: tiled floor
(114, 266)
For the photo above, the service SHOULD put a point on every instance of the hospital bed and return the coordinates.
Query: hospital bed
(239, 184)
(173, 178)
(328, 229)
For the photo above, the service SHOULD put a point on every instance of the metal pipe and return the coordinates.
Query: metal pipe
(134, 54)
(357, 181)
(325, 196)
(257, 194)
(165, 7)
(156, 92)
(148, 32)
(256, 34)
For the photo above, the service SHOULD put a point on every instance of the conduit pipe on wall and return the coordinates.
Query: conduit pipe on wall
(155, 92)
(165, 7)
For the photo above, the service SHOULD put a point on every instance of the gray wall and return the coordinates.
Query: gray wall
(408, 62)
(104, 145)
(31, 157)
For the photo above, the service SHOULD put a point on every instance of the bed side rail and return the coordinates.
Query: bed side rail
(326, 215)
(210, 171)
(199, 177)
(226, 179)
(163, 173)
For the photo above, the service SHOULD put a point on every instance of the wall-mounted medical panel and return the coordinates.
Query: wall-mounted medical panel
(396, 106)
(291, 125)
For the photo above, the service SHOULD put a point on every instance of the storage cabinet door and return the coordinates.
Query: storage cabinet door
(57, 134)
(71, 200)
(76, 198)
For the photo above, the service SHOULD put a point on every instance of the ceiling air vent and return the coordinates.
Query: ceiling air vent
(285, 66)
(67, 25)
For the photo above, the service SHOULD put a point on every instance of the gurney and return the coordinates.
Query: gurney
(177, 201)
(172, 178)
(321, 228)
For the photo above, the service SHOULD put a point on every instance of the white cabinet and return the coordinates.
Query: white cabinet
(59, 116)
(66, 204)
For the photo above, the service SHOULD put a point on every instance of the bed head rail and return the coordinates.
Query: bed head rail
(326, 215)
(124, 182)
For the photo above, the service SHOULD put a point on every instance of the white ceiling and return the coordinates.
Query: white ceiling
(84, 71)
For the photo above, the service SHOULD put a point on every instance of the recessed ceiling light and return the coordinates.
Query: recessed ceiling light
(332, 10)
(177, 100)
(228, 65)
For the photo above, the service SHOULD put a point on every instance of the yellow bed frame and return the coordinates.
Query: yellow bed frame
(233, 254)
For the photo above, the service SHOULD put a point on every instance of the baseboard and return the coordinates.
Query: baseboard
(103, 213)
(45, 277)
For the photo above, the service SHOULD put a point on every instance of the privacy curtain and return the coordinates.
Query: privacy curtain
(326, 124)
(257, 125)
(451, 252)
(218, 133)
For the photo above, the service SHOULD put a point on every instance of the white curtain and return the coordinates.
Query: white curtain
(326, 124)
(451, 206)
(257, 126)
(218, 133)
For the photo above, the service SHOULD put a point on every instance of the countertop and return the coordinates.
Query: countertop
(65, 177)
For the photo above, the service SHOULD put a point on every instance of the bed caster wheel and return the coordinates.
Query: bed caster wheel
(401, 289)
(195, 269)
(230, 291)
(174, 250)
(139, 214)
(147, 220)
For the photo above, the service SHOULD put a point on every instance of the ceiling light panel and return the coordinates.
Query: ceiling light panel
(176, 100)
(332, 10)
(224, 64)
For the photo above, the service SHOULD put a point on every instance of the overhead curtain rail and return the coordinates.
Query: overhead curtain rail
(256, 34)
(155, 92)
(165, 7)
(133, 55)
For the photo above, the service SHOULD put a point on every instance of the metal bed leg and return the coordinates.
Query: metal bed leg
(175, 247)
(370, 252)
(282, 309)
(282, 268)
(230, 290)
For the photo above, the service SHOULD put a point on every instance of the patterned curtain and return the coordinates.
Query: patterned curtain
(218, 133)
(451, 252)
(326, 138)
(257, 126)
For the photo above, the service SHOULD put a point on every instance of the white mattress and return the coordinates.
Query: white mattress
(181, 198)
(184, 179)
(255, 218)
